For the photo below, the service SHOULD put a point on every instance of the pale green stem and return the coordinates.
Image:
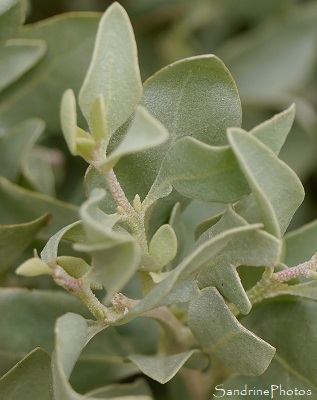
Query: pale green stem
(271, 284)
(81, 289)
(134, 219)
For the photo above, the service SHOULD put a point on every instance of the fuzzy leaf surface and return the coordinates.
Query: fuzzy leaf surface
(270, 180)
(254, 248)
(114, 70)
(293, 364)
(187, 97)
(222, 336)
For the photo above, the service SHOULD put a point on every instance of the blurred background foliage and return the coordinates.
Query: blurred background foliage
(269, 46)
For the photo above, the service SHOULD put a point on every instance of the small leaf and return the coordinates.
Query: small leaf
(79, 142)
(98, 119)
(307, 290)
(114, 70)
(222, 336)
(163, 246)
(14, 239)
(33, 267)
(29, 379)
(279, 181)
(163, 369)
(144, 132)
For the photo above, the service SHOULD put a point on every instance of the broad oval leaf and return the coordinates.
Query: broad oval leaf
(223, 337)
(163, 246)
(114, 70)
(188, 98)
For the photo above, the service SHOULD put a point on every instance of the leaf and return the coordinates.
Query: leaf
(162, 369)
(200, 172)
(187, 97)
(114, 70)
(254, 248)
(163, 246)
(33, 267)
(224, 338)
(69, 39)
(274, 131)
(278, 192)
(29, 379)
(115, 256)
(79, 142)
(16, 144)
(307, 290)
(187, 269)
(50, 251)
(144, 132)
(17, 57)
(300, 244)
(27, 321)
(11, 17)
(294, 362)
(19, 205)
(14, 239)
(73, 333)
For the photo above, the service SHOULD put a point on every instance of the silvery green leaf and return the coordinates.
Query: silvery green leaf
(144, 132)
(293, 364)
(79, 142)
(16, 145)
(254, 248)
(188, 268)
(187, 97)
(163, 245)
(50, 251)
(42, 307)
(275, 130)
(17, 57)
(163, 369)
(38, 93)
(29, 379)
(223, 337)
(33, 267)
(114, 70)
(278, 182)
(14, 239)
